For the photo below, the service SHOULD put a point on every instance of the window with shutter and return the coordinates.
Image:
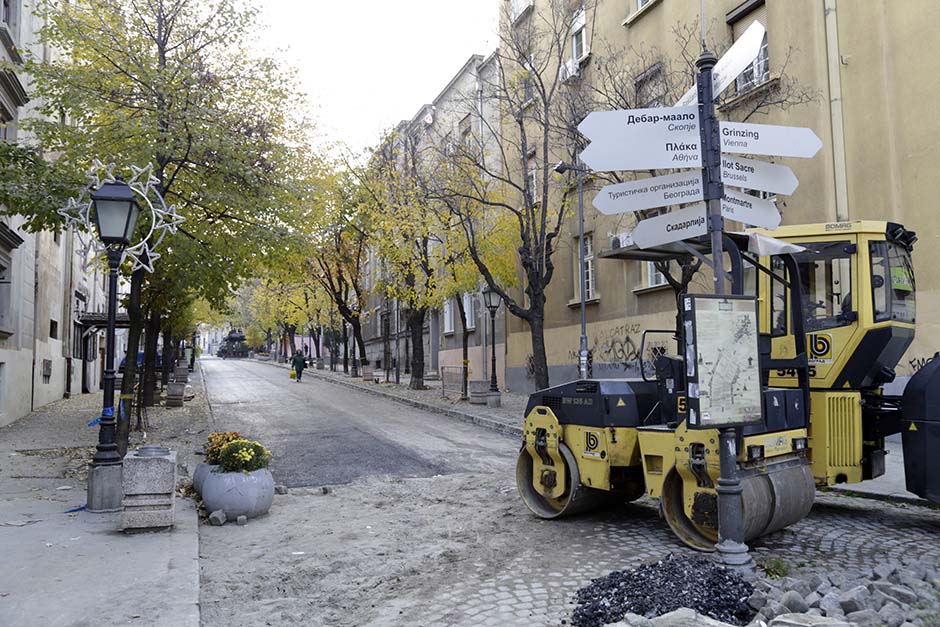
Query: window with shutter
(759, 71)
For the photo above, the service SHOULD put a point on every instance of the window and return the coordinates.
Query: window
(642, 3)
(649, 87)
(469, 310)
(6, 13)
(892, 283)
(759, 71)
(826, 277)
(448, 315)
(6, 319)
(578, 36)
(53, 330)
(528, 89)
(762, 195)
(464, 128)
(532, 180)
(589, 278)
(654, 278)
(756, 73)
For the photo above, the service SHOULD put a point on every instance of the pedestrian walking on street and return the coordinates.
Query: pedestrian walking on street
(298, 362)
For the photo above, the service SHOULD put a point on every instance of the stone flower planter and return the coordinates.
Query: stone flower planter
(199, 475)
(239, 493)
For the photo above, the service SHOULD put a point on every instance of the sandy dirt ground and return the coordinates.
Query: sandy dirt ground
(362, 554)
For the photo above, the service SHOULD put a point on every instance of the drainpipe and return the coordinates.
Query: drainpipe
(834, 63)
(32, 389)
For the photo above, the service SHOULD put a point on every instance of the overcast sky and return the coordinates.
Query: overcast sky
(368, 64)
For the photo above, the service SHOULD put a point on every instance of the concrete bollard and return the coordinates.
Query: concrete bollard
(174, 394)
(479, 390)
(181, 374)
(149, 488)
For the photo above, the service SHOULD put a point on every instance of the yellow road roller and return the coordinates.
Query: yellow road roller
(835, 314)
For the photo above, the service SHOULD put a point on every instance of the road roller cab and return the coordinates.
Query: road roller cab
(835, 313)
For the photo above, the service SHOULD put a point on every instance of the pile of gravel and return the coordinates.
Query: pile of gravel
(661, 587)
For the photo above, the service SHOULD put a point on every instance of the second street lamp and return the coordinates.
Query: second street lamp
(491, 300)
(115, 212)
(561, 167)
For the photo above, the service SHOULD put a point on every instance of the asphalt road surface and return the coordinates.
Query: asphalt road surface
(324, 434)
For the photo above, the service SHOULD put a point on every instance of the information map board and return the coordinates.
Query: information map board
(722, 361)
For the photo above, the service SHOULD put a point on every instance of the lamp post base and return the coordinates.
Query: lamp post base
(735, 556)
(105, 488)
(493, 399)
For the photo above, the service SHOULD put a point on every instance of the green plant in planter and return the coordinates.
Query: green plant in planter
(243, 456)
(216, 441)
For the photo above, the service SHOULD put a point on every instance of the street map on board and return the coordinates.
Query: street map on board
(728, 376)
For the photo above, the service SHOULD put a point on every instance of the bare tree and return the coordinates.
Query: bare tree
(506, 176)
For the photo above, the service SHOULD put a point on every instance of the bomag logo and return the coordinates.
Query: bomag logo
(820, 348)
(591, 441)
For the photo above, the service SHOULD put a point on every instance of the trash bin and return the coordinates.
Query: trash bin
(920, 431)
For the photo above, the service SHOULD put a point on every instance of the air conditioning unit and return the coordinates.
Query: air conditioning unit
(569, 70)
(620, 240)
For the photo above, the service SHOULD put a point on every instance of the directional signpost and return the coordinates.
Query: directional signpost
(749, 210)
(753, 174)
(768, 139)
(690, 136)
(649, 193)
(735, 60)
(671, 227)
(642, 139)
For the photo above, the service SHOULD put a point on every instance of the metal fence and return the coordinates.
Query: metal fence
(452, 382)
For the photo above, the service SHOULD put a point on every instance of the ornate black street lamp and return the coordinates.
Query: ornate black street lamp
(115, 211)
(491, 300)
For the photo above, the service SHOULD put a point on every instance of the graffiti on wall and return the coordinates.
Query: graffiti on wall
(616, 350)
(916, 363)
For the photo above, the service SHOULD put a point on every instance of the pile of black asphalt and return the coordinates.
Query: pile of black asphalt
(660, 587)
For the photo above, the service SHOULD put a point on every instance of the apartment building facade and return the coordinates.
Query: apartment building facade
(844, 69)
(466, 114)
(47, 348)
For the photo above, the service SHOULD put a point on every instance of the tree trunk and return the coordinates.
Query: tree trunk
(130, 366)
(291, 336)
(357, 338)
(465, 345)
(167, 363)
(416, 329)
(315, 336)
(345, 349)
(539, 358)
(150, 358)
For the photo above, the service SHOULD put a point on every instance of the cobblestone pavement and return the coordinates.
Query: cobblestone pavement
(535, 586)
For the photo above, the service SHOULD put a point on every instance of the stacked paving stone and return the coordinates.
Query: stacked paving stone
(892, 594)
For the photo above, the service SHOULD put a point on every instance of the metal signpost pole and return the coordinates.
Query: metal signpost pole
(583, 350)
(732, 550)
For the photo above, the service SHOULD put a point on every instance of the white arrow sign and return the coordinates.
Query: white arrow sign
(752, 174)
(670, 227)
(738, 57)
(659, 191)
(749, 210)
(768, 139)
(642, 139)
